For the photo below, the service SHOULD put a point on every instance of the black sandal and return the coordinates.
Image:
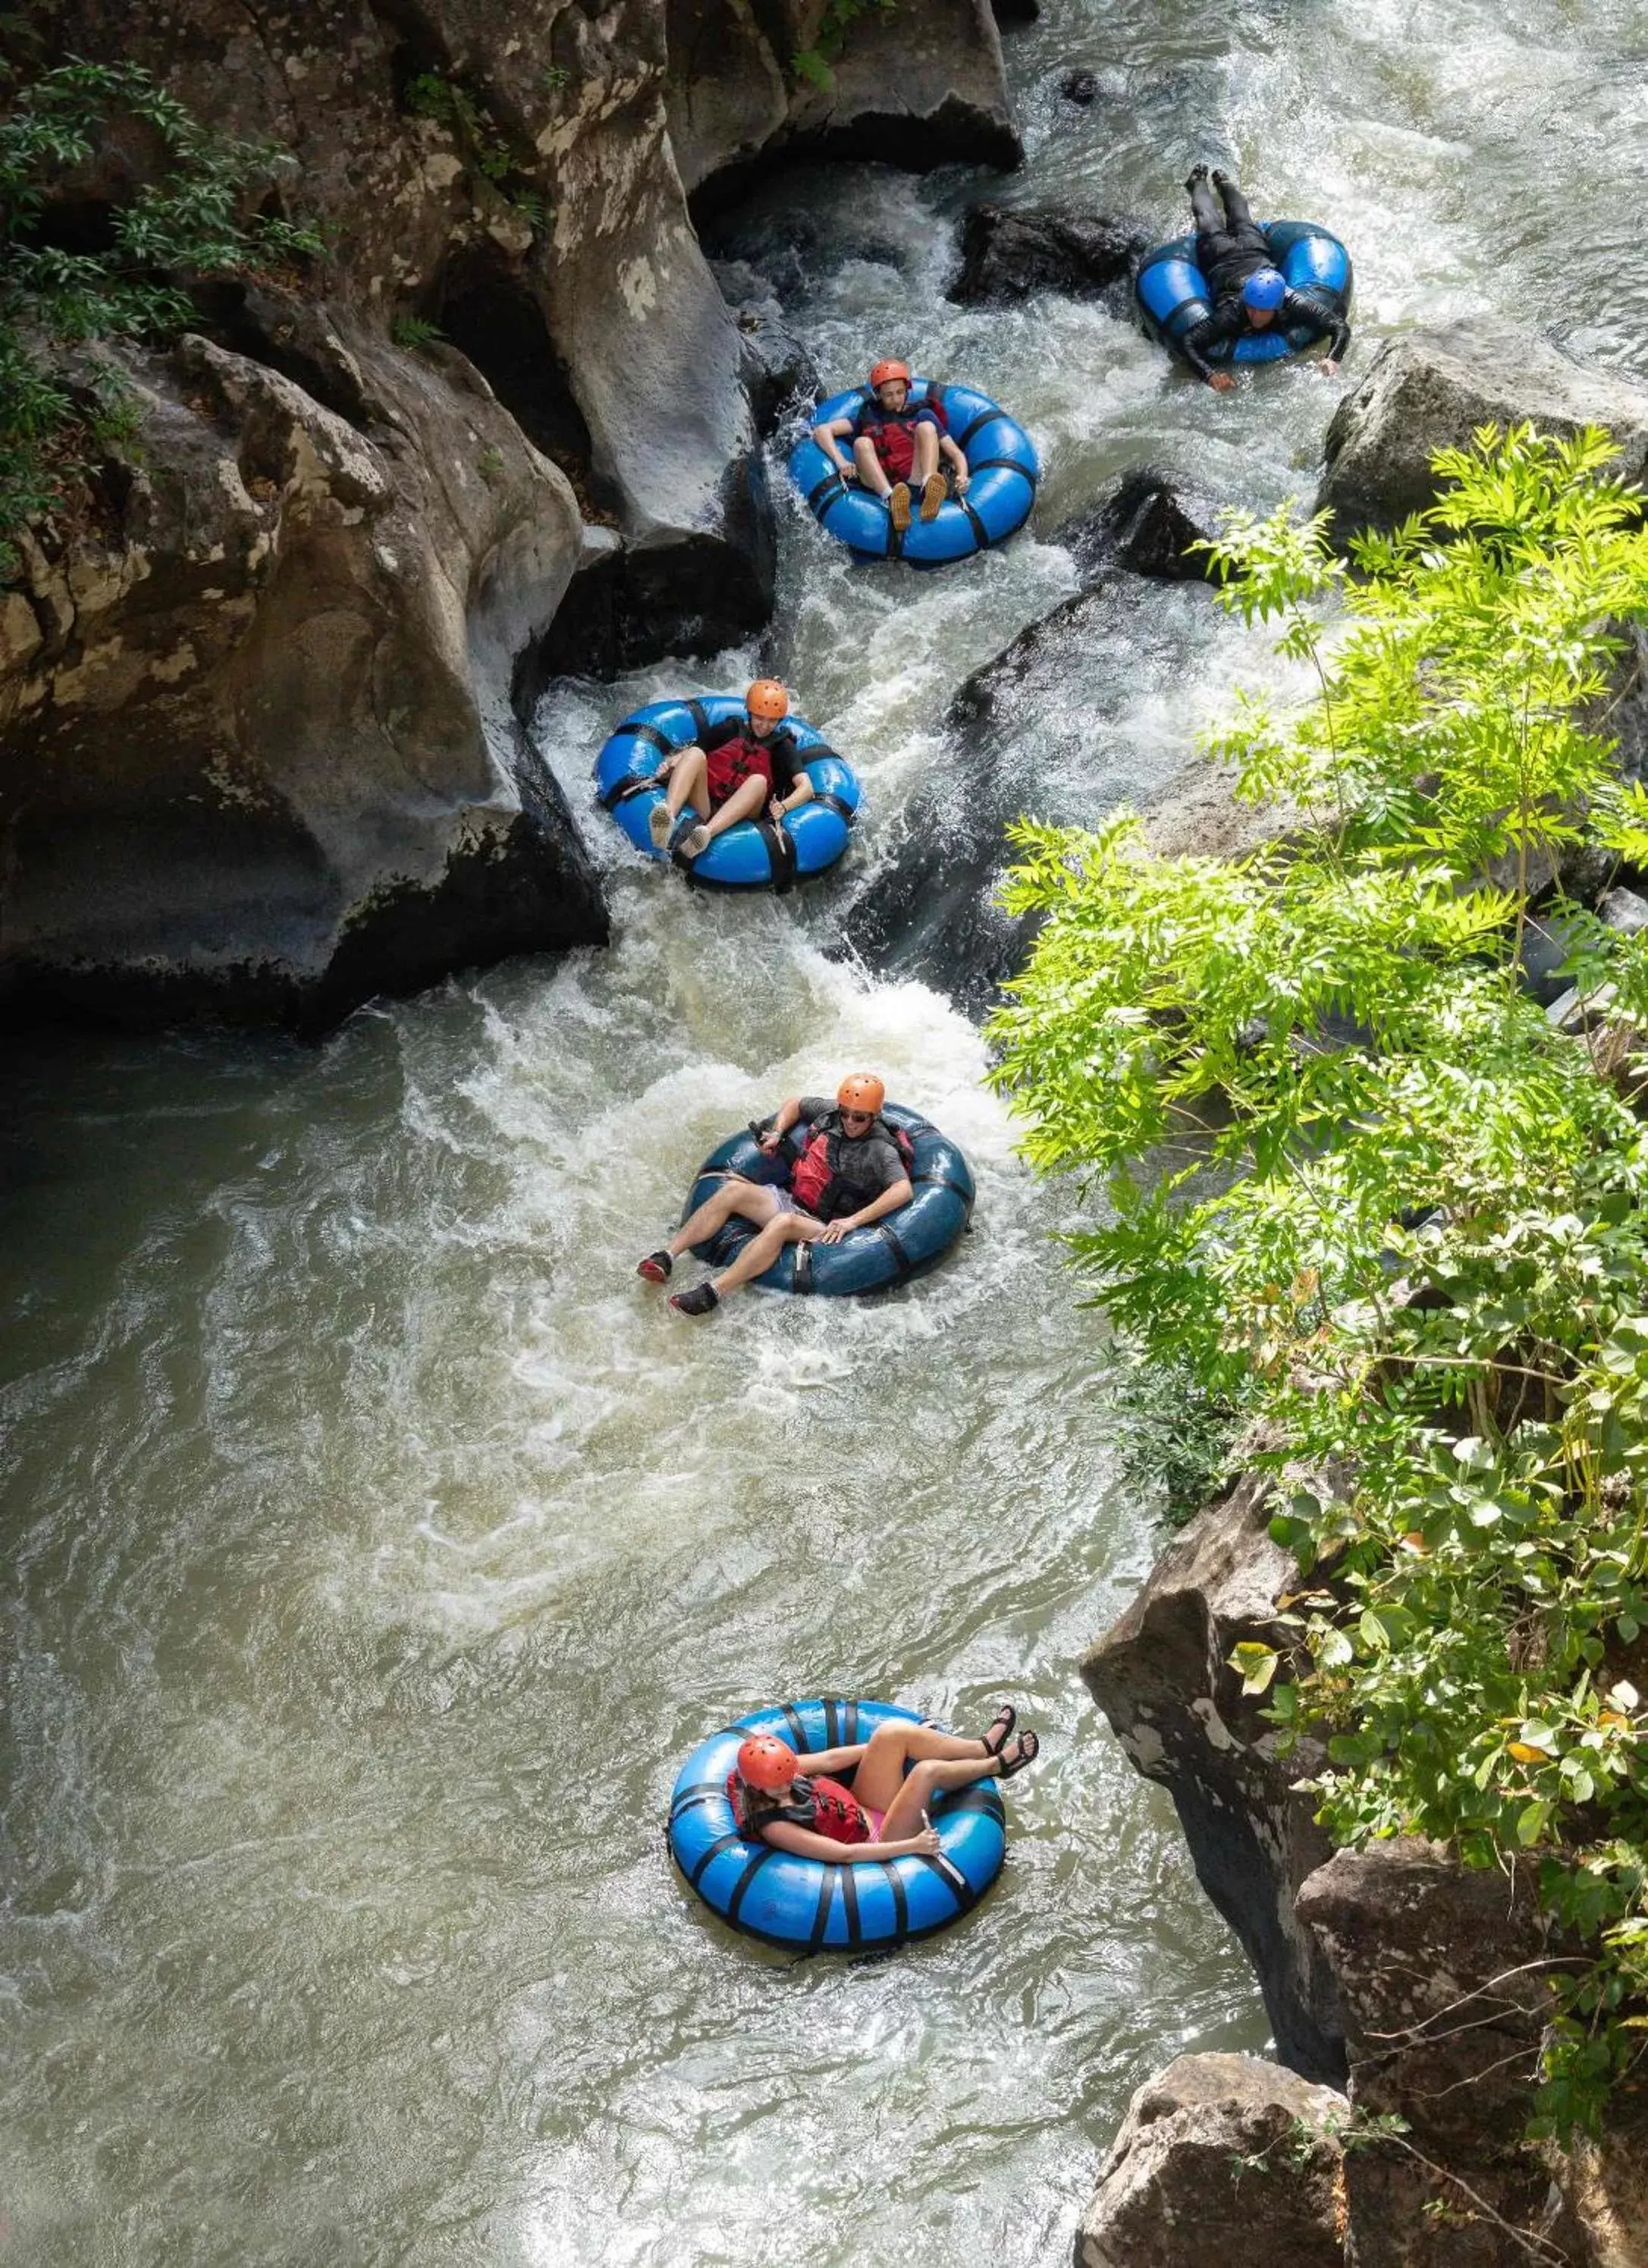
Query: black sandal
(1029, 1748)
(1001, 1725)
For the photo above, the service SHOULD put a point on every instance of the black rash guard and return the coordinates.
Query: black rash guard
(1229, 320)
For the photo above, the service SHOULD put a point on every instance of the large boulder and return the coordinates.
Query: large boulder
(1431, 390)
(261, 755)
(917, 87)
(1010, 253)
(1161, 1675)
(1219, 2156)
(1441, 1978)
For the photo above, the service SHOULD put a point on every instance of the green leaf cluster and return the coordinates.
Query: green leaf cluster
(485, 147)
(813, 64)
(1357, 1183)
(189, 221)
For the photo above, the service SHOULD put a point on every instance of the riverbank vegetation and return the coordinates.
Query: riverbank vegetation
(113, 199)
(1359, 1184)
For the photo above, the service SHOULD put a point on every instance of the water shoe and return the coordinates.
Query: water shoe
(656, 1266)
(698, 1302)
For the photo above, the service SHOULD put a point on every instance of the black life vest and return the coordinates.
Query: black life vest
(818, 1169)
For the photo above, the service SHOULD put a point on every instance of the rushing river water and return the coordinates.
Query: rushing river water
(374, 1545)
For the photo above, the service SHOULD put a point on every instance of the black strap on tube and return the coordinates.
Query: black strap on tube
(758, 1860)
(712, 1851)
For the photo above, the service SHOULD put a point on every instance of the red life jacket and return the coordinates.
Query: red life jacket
(827, 1808)
(893, 434)
(818, 1166)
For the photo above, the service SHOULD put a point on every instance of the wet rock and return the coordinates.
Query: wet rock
(1024, 735)
(1017, 11)
(1431, 390)
(1008, 255)
(1145, 524)
(918, 86)
(778, 369)
(1440, 1976)
(1215, 2150)
(1161, 1677)
(1081, 87)
(261, 757)
(1623, 910)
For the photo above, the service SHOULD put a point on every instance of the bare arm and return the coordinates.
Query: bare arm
(802, 1844)
(828, 434)
(783, 1118)
(800, 793)
(953, 451)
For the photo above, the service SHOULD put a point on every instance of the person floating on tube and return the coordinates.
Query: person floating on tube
(896, 445)
(735, 772)
(853, 1170)
(1249, 292)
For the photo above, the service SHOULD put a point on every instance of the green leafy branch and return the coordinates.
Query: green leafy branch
(815, 63)
(1362, 1188)
(188, 222)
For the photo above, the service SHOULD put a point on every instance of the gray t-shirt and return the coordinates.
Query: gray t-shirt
(869, 1163)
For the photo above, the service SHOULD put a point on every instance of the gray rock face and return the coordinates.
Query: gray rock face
(1431, 390)
(259, 753)
(1159, 1675)
(1222, 2157)
(1007, 255)
(1440, 1983)
(918, 87)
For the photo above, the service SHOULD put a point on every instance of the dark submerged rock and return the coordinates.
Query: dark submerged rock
(1145, 524)
(1007, 255)
(1080, 87)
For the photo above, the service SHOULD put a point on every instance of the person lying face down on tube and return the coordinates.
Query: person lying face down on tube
(735, 772)
(895, 445)
(1249, 293)
(851, 1173)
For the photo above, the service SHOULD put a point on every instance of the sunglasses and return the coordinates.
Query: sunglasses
(861, 1117)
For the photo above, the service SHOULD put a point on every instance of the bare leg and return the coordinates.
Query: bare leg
(870, 473)
(904, 1814)
(689, 778)
(762, 1250)
(880, 1772)
(744, 801)
(753, 1199)
(926, 451)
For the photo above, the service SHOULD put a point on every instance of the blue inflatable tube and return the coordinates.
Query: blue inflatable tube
(1173, 296)
(1001, 458)
(755, 854)
(905, 1244)
(804, 1903)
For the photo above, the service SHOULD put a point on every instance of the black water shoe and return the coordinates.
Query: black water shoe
(698, 1302)
(1198, 175)
(656, 1266)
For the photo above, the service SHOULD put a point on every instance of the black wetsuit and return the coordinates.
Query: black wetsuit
(1231, 247)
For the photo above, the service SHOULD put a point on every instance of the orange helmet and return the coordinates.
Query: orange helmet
(766, 1762)
(863, 1091)
(884, 371)
(766, 698)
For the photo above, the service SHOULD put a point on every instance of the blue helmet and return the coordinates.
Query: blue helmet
(1264, 288)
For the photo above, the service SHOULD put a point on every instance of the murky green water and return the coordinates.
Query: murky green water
(374, 1545)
